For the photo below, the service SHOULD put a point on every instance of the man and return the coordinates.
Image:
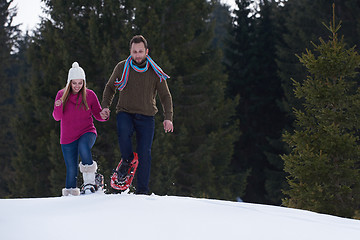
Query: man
(138, 79)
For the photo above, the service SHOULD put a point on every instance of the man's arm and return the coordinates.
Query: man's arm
(165, 99)
(166, 102)
(110, 90)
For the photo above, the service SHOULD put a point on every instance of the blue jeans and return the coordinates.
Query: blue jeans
(71, 153)
(144, 127)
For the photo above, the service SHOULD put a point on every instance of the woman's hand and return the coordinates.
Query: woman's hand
(105, 113)
(58, 102)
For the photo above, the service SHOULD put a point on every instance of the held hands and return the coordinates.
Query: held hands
(105, 113)
(168, 126)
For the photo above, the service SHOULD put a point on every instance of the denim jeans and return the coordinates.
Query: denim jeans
(71, 153)
(144, 127)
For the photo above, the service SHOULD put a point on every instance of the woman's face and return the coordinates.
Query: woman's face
(76, 85)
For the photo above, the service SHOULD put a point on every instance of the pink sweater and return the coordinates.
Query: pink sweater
(75, 120)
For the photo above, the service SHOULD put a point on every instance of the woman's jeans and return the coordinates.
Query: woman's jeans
(71, 153)
(144, 127)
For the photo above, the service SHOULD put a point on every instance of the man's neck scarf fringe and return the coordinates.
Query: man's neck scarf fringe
(120, 85)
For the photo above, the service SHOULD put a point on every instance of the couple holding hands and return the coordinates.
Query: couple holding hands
(138, 79)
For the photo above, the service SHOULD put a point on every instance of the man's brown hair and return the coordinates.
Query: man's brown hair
(138, 39)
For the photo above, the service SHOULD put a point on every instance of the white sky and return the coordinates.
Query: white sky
(29, 12)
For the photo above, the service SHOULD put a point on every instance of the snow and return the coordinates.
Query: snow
(128, 216)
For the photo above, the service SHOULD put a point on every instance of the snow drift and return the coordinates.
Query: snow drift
(127, 216)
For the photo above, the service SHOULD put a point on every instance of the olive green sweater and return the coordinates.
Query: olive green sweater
(139, 95)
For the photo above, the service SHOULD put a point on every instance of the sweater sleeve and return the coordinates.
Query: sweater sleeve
(110, 90)
(58, 110)
(95, 106)
(166, 99)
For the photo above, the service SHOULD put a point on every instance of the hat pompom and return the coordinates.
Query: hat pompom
(75, 65)
(76, 72)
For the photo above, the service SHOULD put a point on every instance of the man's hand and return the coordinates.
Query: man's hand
(105, 113)
(168, 126)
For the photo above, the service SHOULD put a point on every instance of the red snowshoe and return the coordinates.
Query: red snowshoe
(122, 183)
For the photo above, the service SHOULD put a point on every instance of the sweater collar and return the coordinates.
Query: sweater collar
(141, 65)
(75, 98)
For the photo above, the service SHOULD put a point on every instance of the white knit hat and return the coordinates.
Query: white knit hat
(76, 72)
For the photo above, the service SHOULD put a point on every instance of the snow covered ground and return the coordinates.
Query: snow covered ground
(126, 216)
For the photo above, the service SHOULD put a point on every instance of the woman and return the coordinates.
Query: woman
(74, 107)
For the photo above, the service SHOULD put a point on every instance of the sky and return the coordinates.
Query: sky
(28, 13)
(30, 10)
(140, 217)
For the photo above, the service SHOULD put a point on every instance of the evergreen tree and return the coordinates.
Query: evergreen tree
(324, 158)
(222, 20)
(301, 23)
(238, 52)
(253, 75)
(267, 118)
(8, 78)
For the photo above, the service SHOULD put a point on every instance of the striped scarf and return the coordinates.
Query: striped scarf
(120, 85)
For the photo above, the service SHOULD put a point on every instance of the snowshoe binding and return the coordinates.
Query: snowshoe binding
(92, 188)
(124, 174)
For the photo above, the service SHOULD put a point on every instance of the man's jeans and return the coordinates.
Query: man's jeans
(71, 153)
(144, 127)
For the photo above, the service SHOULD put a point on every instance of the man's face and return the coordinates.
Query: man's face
(138, 52)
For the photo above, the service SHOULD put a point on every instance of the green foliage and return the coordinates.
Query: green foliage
(58, 171)
(301, 22)
(222, 20)
(8, 80)
(165, 164)
(323, 163)
(250, 60)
